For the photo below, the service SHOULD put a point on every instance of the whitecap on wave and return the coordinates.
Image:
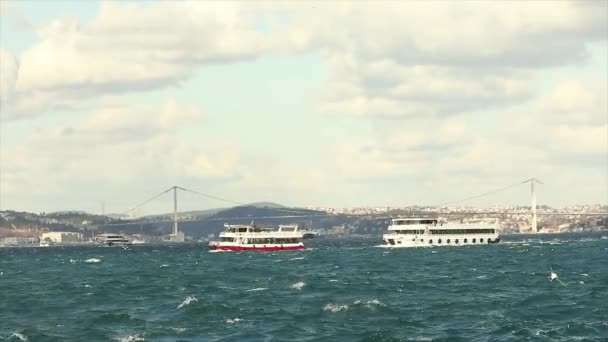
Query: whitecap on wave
(257, 289)
(298, 258)
(130, 338)
(370, 304)
(17, 337)
(335, 307)
(92, 260)
(233, 320)
(189, 300)
(298, 286)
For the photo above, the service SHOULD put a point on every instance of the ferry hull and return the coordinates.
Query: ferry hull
(399, 242)
(235, 248)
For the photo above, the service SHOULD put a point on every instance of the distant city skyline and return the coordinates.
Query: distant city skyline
(301, 103)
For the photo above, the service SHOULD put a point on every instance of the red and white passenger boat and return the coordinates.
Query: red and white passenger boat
(240, 237)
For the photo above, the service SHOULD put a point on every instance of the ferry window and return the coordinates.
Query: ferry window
(439, 241)
(448, 241)
(481, 240)
(474, 241)
(227, 239)
(430, 241)
(456, 241)
(465, 241)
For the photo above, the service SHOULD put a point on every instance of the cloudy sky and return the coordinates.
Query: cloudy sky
(301, 103)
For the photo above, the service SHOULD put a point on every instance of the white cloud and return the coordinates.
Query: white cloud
(431, 68)
(9, 68)
(126, 48)
(577, 102)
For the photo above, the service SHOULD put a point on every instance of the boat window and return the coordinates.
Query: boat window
(465, 240)
(456, 241)
(227, 239)
(461, 231)
(428, 221)
(481, 240)
(439, 241)
(448, 241)
(430, 241)
(474, 240)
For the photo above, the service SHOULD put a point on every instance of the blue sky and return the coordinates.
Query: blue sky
(324, 104)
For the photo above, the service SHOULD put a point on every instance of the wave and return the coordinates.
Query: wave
(298, 258)
(298, 286)
(92, 260)
(370, 304)
(18, 337)
(187, 301)
(257, 289)
(233, 320)
(335, 307)
(130, 338)
(163, 266)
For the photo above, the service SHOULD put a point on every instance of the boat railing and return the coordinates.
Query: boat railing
(273, 234)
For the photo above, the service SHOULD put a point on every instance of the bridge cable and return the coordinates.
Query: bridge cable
(480, 195)
(147, 201)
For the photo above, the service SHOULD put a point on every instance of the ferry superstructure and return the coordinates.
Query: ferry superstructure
(421, 232)
(113, 240)
(239, 238)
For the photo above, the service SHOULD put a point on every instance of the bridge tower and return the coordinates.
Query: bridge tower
(533, 202)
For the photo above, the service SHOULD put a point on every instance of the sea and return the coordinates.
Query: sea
(336, 290)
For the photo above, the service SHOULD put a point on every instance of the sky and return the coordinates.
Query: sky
(329, 104)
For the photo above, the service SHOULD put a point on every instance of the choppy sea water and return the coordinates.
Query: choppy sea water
(337, 290)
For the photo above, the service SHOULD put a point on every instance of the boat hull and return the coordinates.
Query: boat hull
(393, 241)
(255, 248)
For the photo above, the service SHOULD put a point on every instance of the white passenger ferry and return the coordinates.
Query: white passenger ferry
(113, 240)
(419, 232)
(238, 238)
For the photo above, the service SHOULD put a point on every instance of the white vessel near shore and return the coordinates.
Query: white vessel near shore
(424, 232)
(113, 240)
(243, 237)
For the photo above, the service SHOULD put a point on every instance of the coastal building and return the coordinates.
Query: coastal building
(18, 241)
(62, 237)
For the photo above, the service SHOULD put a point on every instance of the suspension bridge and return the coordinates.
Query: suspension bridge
(292, 213)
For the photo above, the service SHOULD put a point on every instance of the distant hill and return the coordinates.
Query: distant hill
(265, 205)
(209, 212)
